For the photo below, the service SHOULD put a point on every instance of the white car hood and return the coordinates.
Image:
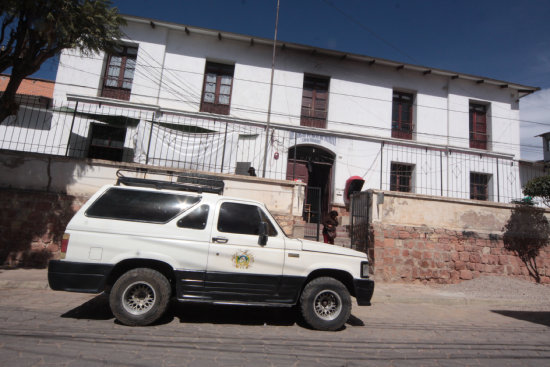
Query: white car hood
(331, 249)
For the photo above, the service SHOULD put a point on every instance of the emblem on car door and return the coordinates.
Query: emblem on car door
(243, 259)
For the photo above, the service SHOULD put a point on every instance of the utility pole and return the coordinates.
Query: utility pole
(271, 89)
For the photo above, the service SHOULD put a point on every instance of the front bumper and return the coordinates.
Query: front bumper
(364, 288)
(77, 277)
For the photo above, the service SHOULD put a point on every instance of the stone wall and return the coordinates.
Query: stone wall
(32, 225)
(418, 238)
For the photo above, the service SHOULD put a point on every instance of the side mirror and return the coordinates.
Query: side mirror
(262, 240)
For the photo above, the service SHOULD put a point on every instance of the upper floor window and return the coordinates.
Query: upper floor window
(314, 102)
(119, 73)
(401, 177)
(478, 126)
(479, 186)
(216, 95)
(402, 115)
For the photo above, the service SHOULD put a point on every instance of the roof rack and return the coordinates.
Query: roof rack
(195, 182)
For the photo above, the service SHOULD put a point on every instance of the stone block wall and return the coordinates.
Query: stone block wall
(433, 252)
(32, 224)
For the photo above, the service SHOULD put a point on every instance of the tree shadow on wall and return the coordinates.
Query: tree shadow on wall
(526, 233)
(32, 227)
(33, 219)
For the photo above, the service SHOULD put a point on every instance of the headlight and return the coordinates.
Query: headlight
(364, 269)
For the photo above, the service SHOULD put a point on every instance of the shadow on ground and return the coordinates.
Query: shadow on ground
(95, 309)
(537, 317)
(98, 309)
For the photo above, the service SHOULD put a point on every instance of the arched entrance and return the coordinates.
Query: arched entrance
(313, 165)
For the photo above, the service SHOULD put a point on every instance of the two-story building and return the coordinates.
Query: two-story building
(180, 96)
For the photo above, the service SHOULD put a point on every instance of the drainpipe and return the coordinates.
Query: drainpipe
(448, 131)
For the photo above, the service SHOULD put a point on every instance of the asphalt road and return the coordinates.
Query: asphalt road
(40, 327)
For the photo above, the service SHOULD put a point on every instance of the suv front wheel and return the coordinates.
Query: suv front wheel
(140, 297)
(325, 304)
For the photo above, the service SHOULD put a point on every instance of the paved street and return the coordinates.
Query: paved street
(40, 327)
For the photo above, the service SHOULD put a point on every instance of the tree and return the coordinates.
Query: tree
(36, 30)
(539, 187)
(526, 233)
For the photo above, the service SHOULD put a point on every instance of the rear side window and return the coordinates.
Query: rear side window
(143, 206)
(196, 219)
(243, 219)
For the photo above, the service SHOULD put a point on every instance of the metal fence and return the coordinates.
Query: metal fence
(172, 139)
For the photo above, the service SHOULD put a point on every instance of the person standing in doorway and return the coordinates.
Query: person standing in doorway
(329, 227)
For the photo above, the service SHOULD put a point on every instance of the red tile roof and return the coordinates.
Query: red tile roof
(30, 86)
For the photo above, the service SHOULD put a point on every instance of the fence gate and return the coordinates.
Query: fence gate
(312, 213)
(360, 203)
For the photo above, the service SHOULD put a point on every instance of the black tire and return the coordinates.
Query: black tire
(140, 297)
(325, 304)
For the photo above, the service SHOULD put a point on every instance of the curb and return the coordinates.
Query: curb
(14, 284)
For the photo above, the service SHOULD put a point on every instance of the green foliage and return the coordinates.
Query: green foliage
(526, 232)
(539, 187)
(33, 31)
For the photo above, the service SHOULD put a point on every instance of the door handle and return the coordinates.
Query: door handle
(219, 239)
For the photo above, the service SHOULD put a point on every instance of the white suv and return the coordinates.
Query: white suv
(147, 241)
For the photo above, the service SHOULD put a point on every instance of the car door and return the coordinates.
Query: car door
(239, 267)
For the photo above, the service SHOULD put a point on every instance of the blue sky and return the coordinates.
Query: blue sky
(500, 39)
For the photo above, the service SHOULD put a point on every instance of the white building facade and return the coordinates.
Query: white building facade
(185, 97)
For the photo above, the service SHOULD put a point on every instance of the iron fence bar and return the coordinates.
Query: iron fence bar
(441, 171)
(294, 162)
(71, 130)
(498, 184)
(224, 144)
(381, 162)
(149, 143)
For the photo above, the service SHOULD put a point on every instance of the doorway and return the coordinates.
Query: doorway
(312, 165)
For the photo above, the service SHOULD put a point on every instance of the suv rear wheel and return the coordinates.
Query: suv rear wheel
(140, 297)
(325, 304)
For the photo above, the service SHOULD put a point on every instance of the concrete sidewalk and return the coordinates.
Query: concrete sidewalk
(24, 278)
(384, 293)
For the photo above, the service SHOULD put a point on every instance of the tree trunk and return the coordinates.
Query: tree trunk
(8, 106)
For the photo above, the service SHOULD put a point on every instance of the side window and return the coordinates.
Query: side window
(196, 219)
(242, 219)
(142, 206)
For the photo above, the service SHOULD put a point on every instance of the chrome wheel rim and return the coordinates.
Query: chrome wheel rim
(327, 305)
(138, 298)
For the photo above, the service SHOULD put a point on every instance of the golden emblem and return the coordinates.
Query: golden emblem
(243, 259)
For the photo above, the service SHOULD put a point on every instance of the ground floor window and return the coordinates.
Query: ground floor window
(479, 186)
(401, 177)
(106, 142)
